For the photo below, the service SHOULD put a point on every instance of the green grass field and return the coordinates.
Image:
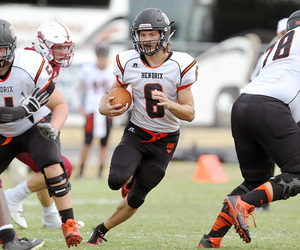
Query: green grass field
(175, 215)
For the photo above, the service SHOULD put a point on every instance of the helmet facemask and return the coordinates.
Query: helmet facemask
(148, 20)
(8, 42)
(7, 59)
(65, 53)
(146, 47)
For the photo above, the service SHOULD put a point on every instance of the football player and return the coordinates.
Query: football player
(94, 80)
(161, 81)
(264, 127)
(21, 72)
(54, 41)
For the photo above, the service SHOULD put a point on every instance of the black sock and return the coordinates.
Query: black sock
(7, 235)
(101, 228)
(66, 214)
(256, 197)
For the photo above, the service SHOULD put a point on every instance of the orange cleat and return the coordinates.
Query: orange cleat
(210, 242)
(71, 232)
(239, 211)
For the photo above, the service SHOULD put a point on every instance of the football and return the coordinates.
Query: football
(120, 95)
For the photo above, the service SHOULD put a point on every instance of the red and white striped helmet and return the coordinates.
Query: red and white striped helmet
(51, 35)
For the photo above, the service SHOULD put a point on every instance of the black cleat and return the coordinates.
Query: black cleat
(96, 238)
(24, 244)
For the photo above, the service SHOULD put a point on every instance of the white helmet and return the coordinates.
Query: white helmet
(51, 35)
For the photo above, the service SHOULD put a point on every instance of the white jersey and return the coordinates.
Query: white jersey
(280, 74)
(29, 70)
(177, 72)
(96, 82)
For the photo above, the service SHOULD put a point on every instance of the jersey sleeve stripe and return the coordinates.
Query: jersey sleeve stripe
(120, 82)
(184, 87)
(46, 86)
(40, 70)
(188, 68)
(119, 64)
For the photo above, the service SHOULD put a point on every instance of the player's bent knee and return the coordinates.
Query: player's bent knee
(114, 182)
(135, 201)
(290, 185)
(61, 189)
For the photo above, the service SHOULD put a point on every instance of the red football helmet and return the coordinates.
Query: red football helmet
(54, 41)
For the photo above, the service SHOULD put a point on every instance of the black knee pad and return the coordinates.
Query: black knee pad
(59, 190)
(288, 183)
(135, 201)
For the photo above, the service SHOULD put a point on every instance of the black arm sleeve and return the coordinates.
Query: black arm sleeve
(10, 114)
(50, 88)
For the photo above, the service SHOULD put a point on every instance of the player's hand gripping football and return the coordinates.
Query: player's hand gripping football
(37, 100)
(48, 131)
(105, 107)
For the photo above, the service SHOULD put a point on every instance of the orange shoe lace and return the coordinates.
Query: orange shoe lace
(70, 226)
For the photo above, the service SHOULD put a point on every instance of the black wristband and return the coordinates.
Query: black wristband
(10, 114)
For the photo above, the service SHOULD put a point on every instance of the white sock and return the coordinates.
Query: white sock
(22, 191)
(19, 193)
(8, 226)
(49, 210)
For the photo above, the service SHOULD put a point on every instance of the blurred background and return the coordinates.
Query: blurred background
(225, 36)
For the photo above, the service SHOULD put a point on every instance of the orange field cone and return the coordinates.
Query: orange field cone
(209, 170)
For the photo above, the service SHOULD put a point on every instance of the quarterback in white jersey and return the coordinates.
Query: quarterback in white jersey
(264, 127)
(177, 72)
(161, 93)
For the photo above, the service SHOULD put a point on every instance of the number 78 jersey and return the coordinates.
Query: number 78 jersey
(179, 71)
(279, 76)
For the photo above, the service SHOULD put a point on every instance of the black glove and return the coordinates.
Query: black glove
(48, 131)
(35, 101)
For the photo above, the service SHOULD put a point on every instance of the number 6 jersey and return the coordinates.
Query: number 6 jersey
(179, 71)
(279, 76)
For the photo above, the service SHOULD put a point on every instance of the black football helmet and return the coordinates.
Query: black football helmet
(7, 40)
(293, 21)
(151, 19)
